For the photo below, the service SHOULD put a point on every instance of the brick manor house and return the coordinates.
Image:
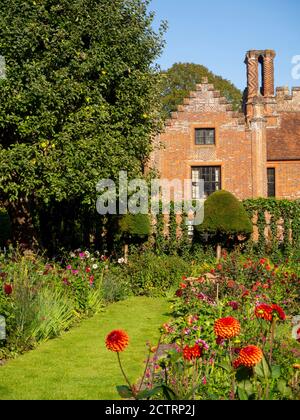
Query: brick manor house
(255, 153)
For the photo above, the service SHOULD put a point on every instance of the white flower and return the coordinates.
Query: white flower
(121, 260)
(72, 255)
(87, 254)
(95, 266)
(92, 259)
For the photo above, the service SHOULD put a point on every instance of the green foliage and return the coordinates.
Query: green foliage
(53, 314)
(116, 285)
(289, 212)
(160, 239)
(152, 275)
(224, 214)
(172, 242)
(80, 101)
(47, 298)
(135, 225)
(181, 78)
(5, 228)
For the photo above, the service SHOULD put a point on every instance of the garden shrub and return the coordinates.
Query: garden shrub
(116, 285)
(154, 275)
(135, 225)
(224, 214)
(224, 220)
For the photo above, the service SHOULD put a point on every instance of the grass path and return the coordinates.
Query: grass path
(77, 365)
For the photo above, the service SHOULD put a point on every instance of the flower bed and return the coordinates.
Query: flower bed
(234, 334)
(39, 301)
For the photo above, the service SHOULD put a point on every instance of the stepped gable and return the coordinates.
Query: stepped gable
(204, 99)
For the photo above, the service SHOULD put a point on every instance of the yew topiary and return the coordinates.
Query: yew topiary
(134, 228)
(135, 225)
(224, 217)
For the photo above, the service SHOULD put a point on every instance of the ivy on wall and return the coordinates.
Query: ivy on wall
(272, 213)
(277, 225)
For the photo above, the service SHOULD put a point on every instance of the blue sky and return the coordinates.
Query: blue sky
(217, 34)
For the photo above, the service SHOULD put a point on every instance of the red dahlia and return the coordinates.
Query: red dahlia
(8, 289)
(117, 341)
(268, 312)
(278, 311)
(191, 353)
(264, 311)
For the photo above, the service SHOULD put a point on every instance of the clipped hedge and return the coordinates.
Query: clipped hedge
(135, 225)
(224, 214)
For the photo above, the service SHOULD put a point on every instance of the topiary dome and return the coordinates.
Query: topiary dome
(135, 225)
(224, 214)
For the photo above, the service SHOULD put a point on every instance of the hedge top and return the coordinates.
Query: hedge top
(223, 213)
(135, 225)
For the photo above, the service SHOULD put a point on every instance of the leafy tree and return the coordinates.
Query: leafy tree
(181, 78)
(224, 217)
(80, 101)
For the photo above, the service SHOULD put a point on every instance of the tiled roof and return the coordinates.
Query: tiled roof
(284, 143)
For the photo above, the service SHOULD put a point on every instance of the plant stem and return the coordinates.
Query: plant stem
(124, 374)
(273, 328)
(145, 371)
(233, 373)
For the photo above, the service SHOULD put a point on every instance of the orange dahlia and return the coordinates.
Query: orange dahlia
(264, 311)
(117, 341)
(227, 327)
(249, 357)
(190, 353)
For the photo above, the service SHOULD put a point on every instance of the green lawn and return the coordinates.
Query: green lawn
(77, 365)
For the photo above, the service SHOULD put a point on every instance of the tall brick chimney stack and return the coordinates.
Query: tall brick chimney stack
(259, 101)
(252, 74)
(256, 93)
(268, 73)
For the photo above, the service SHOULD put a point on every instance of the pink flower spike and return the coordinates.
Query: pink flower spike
(69, 267)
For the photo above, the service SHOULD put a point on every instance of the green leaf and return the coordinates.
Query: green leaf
(276, 372)
(226, 366)
(263, 370)
(242, 394)
(245, 390)
(169, 393)
(148, 393)
(124, 391)
(284, 390)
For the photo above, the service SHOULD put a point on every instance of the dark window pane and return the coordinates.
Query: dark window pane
(205, 136)
(211, 176)
(271, 182)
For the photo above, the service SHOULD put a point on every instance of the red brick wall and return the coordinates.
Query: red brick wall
(205, 109)
(287, 179)
(240, 147)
